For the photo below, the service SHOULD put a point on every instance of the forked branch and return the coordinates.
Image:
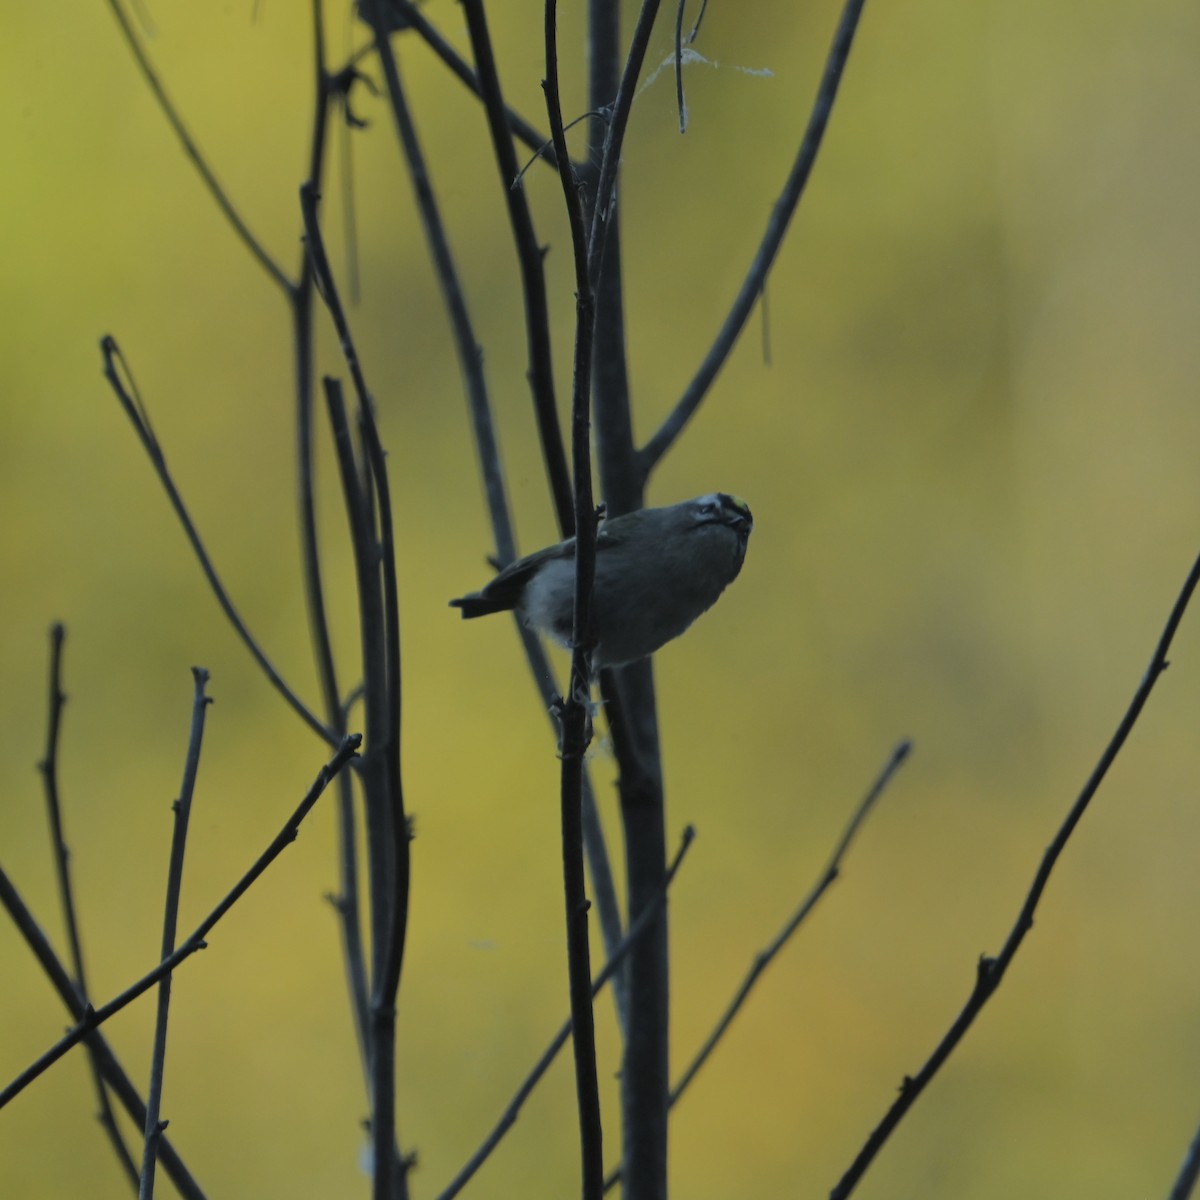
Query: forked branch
(92, 1018)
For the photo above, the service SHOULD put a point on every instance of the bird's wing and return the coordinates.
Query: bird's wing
(506, 589)
(519, 572)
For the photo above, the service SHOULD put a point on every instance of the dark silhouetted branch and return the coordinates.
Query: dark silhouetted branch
(764, 958)
(62, 862)
(1189, 1172)
(574, 717)
(218, 193)
(990, 971)
(114, 1074)
(93, 1018)
(387, 837)
(120, 378)
(521, 129)
(326, 89)
(777, 226)
(533, 275)
(509, 1117)
(614, 140)
(183, 811)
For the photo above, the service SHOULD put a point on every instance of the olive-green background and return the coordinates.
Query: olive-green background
(972, 459)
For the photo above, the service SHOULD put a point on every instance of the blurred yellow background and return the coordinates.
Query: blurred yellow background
(972, 460)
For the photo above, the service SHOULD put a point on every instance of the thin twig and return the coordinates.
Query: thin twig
(115, 366)
(765, 956)
(183, 811)
(466, 345)
(347, 900)
(49, 771)
(509, 1117)
(387, 834)
(470, 354)
(186, 141)
(614, 141)
(114, 1074)
(93, 1018)
(763, 959)
(62, 862)
(530, 259)
(990, 971)
(393, 962)
(546, 150)
(1189, 1171)
(595, 846)
(764, 259)
(522, 130)
(691, 37)
(621, 481)
(309, 200)
(387, 981)
(680, 102)
(574, 716)
(370, 598)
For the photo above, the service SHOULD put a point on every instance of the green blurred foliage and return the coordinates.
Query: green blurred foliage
(972, 461)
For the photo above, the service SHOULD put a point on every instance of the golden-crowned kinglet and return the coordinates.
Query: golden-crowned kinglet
(657, 570)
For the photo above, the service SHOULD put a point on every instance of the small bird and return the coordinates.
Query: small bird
(657, 570)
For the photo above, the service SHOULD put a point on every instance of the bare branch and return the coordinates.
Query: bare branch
(574, 718)
(764, 259)
(990, 971)
(680, 102)
(533, 275)
(628, 694)
(218, 193)
(509, 1117)
(521, 129)
(387, 832)
(62, 862)
(93, 1018)
(470, 355)
(387, 980)
(120, 379)
(114, 1074)
(764, 958)
(183, 811)
(614, 141)
(1189, 1172)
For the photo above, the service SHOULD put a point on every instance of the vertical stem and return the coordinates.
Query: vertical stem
(630, 704)
(645, 1072)
(183, 810)
(301, 301)
(576, 731)
(387, 844)
(387, 981)
(62, 861)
